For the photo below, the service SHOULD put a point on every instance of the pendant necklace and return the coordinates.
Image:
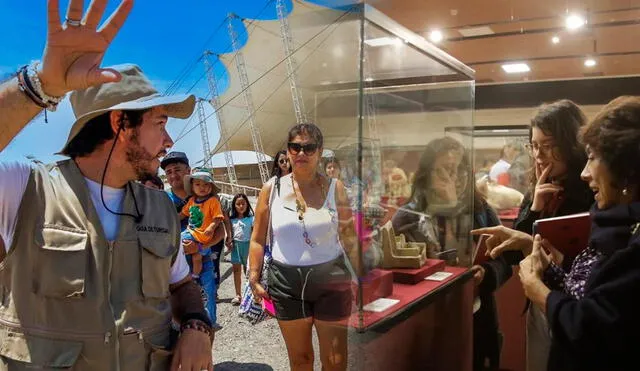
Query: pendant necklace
(301, 208)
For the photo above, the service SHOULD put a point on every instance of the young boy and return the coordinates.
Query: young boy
(205, 214)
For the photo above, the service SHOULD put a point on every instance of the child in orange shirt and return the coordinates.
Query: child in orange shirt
(205, 214)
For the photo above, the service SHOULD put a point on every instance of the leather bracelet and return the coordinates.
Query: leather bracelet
(27, 89)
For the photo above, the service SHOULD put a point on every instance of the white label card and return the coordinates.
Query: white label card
(439, 276)
(380, 305)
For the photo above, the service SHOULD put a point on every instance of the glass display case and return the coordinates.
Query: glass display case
(501, 165)
(383, 97)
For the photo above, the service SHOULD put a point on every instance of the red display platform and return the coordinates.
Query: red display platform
(407, 294)
(376, 284)
(510, 300)
(508, 217)
(429, 329)
(413, 276)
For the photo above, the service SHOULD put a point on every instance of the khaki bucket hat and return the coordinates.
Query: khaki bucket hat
(133, 92)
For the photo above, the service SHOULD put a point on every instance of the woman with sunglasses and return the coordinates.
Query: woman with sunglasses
(281, 165)
(309, 278)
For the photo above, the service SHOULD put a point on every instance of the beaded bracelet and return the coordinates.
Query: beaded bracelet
(195, 324)
(34, 79)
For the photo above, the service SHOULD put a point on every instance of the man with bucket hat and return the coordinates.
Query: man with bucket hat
(92, 270)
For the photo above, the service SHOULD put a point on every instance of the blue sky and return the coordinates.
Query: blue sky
(164, 37)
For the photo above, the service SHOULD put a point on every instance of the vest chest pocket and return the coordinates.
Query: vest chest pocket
(156, 257)
(61, 263)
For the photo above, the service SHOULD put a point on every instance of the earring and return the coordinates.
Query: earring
(625, 191)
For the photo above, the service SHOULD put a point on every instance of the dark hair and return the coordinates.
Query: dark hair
(312, 130)
(98, 130)
(332, 160)
(275, 169)
(614, 134)
(153, 179)
(431, 152)
(509, 145)
(234, 214)
(562, 121)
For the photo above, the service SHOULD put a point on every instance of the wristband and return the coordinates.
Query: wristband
(27, 88)
(196, 316)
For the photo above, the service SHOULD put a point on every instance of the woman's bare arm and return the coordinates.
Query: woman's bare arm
(259, 234)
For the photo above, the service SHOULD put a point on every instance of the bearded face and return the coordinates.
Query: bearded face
(148, 142)
(142, 162)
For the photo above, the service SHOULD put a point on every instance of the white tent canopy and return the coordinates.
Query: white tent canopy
(327, 53)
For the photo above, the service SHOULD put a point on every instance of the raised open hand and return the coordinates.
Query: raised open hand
(75, 48)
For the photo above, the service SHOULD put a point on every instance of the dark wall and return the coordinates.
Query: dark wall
(594, 91)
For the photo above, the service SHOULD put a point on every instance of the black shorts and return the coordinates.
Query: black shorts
(321, 291)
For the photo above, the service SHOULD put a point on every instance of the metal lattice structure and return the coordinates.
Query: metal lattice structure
(377, 188)
(290, 61)
(215, 102)
(206, 148)
(248, 102)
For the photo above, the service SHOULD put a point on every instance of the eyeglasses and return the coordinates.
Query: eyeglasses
(309, 148)
(283, 161)
(540, 148)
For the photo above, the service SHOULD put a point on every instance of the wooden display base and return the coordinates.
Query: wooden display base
(414, 276)
(375, 285)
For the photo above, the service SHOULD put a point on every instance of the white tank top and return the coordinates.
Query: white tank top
(288, 243)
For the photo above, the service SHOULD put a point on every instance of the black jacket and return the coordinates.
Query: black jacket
(602, 330)
(578, 199)
(487, 339)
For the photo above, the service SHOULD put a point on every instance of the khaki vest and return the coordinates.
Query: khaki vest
(71, 299)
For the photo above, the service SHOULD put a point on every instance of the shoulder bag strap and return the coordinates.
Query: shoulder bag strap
(276, 183)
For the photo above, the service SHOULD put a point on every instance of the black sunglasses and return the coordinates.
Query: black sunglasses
(309, 148)
(283, 161)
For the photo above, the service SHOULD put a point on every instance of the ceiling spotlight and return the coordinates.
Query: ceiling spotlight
(555, 39)
(574, 22)
(516, 67)
(436, 36)
(590, 62)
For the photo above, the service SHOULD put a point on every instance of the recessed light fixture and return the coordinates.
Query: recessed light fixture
(516, 67)
(476, 31)
(574, 21)
(383, 41)
(369, 79)
(590, 62)
(555, 39)
(436, 36)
